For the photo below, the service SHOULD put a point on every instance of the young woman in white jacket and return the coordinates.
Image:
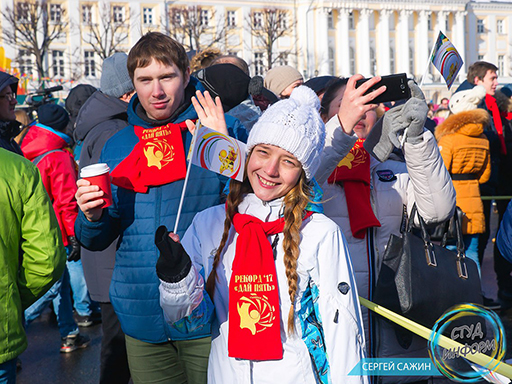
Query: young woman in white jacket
(286, 303)
(414, 175)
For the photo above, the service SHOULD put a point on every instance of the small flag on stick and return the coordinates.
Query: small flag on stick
(446, 59)
(218, 153)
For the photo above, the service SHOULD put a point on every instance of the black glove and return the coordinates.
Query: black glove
(174, 264)
(74, 255)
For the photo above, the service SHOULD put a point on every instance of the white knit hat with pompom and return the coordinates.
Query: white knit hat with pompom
(294, 125)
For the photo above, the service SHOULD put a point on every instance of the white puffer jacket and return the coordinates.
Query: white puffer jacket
(323, 259)
(422, 179)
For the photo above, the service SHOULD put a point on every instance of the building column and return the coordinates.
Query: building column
(424, 46)
(383, 46)
(441, 22)
(460, 41)
(322, 41)
(363, 38)
(403, 41)
(343, 43)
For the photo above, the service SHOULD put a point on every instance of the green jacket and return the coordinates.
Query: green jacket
(32, 256)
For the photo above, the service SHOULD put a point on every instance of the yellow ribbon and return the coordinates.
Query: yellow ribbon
(443, 341)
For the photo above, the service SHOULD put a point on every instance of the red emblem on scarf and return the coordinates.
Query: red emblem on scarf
(254, 311)
(157, 159)
(353, 172)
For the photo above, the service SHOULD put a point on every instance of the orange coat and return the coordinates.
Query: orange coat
(465, 150)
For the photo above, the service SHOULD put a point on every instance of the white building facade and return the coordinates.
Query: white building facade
(322, 37)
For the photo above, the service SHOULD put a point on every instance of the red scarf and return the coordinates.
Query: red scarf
(490, 102)
(353, 172)
(254, 311)
(157, 159)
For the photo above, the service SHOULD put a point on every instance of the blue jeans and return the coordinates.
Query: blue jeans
(82, 301)
(60, 294)
(8, 372)
(471, 248)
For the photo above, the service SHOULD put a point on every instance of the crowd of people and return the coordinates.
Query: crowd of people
(262, 278)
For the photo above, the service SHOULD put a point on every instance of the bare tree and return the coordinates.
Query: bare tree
(267, 26)
(32, 26)
(194, 27)
(109, 32)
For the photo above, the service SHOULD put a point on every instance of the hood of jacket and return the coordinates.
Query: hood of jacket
(469, 123)
(41, 139)
(98, 109)
(503, 101)
(184, 111)
(77, 97)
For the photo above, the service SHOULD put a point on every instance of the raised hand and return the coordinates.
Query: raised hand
(210, 113)
(355, 103)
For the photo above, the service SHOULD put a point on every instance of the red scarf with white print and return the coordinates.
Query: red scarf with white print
(353, 173)
(492, 106)
(254, 310)
(157, 159)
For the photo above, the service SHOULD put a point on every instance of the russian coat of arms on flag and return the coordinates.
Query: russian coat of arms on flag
(218, 153)
(446, 59)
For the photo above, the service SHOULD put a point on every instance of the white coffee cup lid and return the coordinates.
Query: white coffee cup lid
(94, 170)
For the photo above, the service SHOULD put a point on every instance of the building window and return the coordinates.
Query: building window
(259, 68)
(231, 19)
(480, 57)
(58, 63)
(204, 18)
(501, 65)
(257, 20)
(283, 59)
(282, 20)
(351, 23)
(118, 13)
(55, 13)
(330, 20)
(177, 16)
(86, 14)
(332, 70)
(373, 62)
(392, 60)
(500, 26)
(25, 62)
(480, 26)
(429, 22)
(89, 64)
(147, 16)
(447, 23)
(352, 60)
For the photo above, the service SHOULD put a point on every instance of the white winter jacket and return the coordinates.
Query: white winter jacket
(323, 261)
(422, 179)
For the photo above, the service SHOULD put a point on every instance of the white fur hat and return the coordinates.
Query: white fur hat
(467, 100)
(294, 125)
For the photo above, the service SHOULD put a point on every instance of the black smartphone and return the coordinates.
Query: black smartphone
(396, 88)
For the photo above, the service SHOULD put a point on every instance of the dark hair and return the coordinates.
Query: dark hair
(232, 59)
(331, 92)
(479, 69)
(162, 48)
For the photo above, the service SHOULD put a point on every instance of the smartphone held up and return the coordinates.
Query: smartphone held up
(396, 88)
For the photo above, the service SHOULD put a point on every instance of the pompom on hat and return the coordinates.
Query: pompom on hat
(294, 125)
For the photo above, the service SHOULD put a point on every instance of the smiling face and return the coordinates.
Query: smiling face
(272, 171)
(160, 88)
(489, 82)
(7, 104)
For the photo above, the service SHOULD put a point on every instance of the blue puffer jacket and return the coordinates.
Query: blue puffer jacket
(135, 217)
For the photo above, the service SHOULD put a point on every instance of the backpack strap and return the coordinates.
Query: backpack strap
(37, 159)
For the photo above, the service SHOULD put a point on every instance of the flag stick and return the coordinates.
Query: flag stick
(428, 62)
(186, 179)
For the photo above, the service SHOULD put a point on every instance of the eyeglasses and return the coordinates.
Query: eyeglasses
(8, 96)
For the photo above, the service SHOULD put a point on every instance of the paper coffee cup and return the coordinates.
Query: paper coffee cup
(99, 174)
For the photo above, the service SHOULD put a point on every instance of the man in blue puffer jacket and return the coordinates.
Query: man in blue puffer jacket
(148, 162)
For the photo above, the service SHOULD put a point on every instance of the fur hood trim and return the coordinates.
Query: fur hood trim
(455, 123)
(503, 101)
